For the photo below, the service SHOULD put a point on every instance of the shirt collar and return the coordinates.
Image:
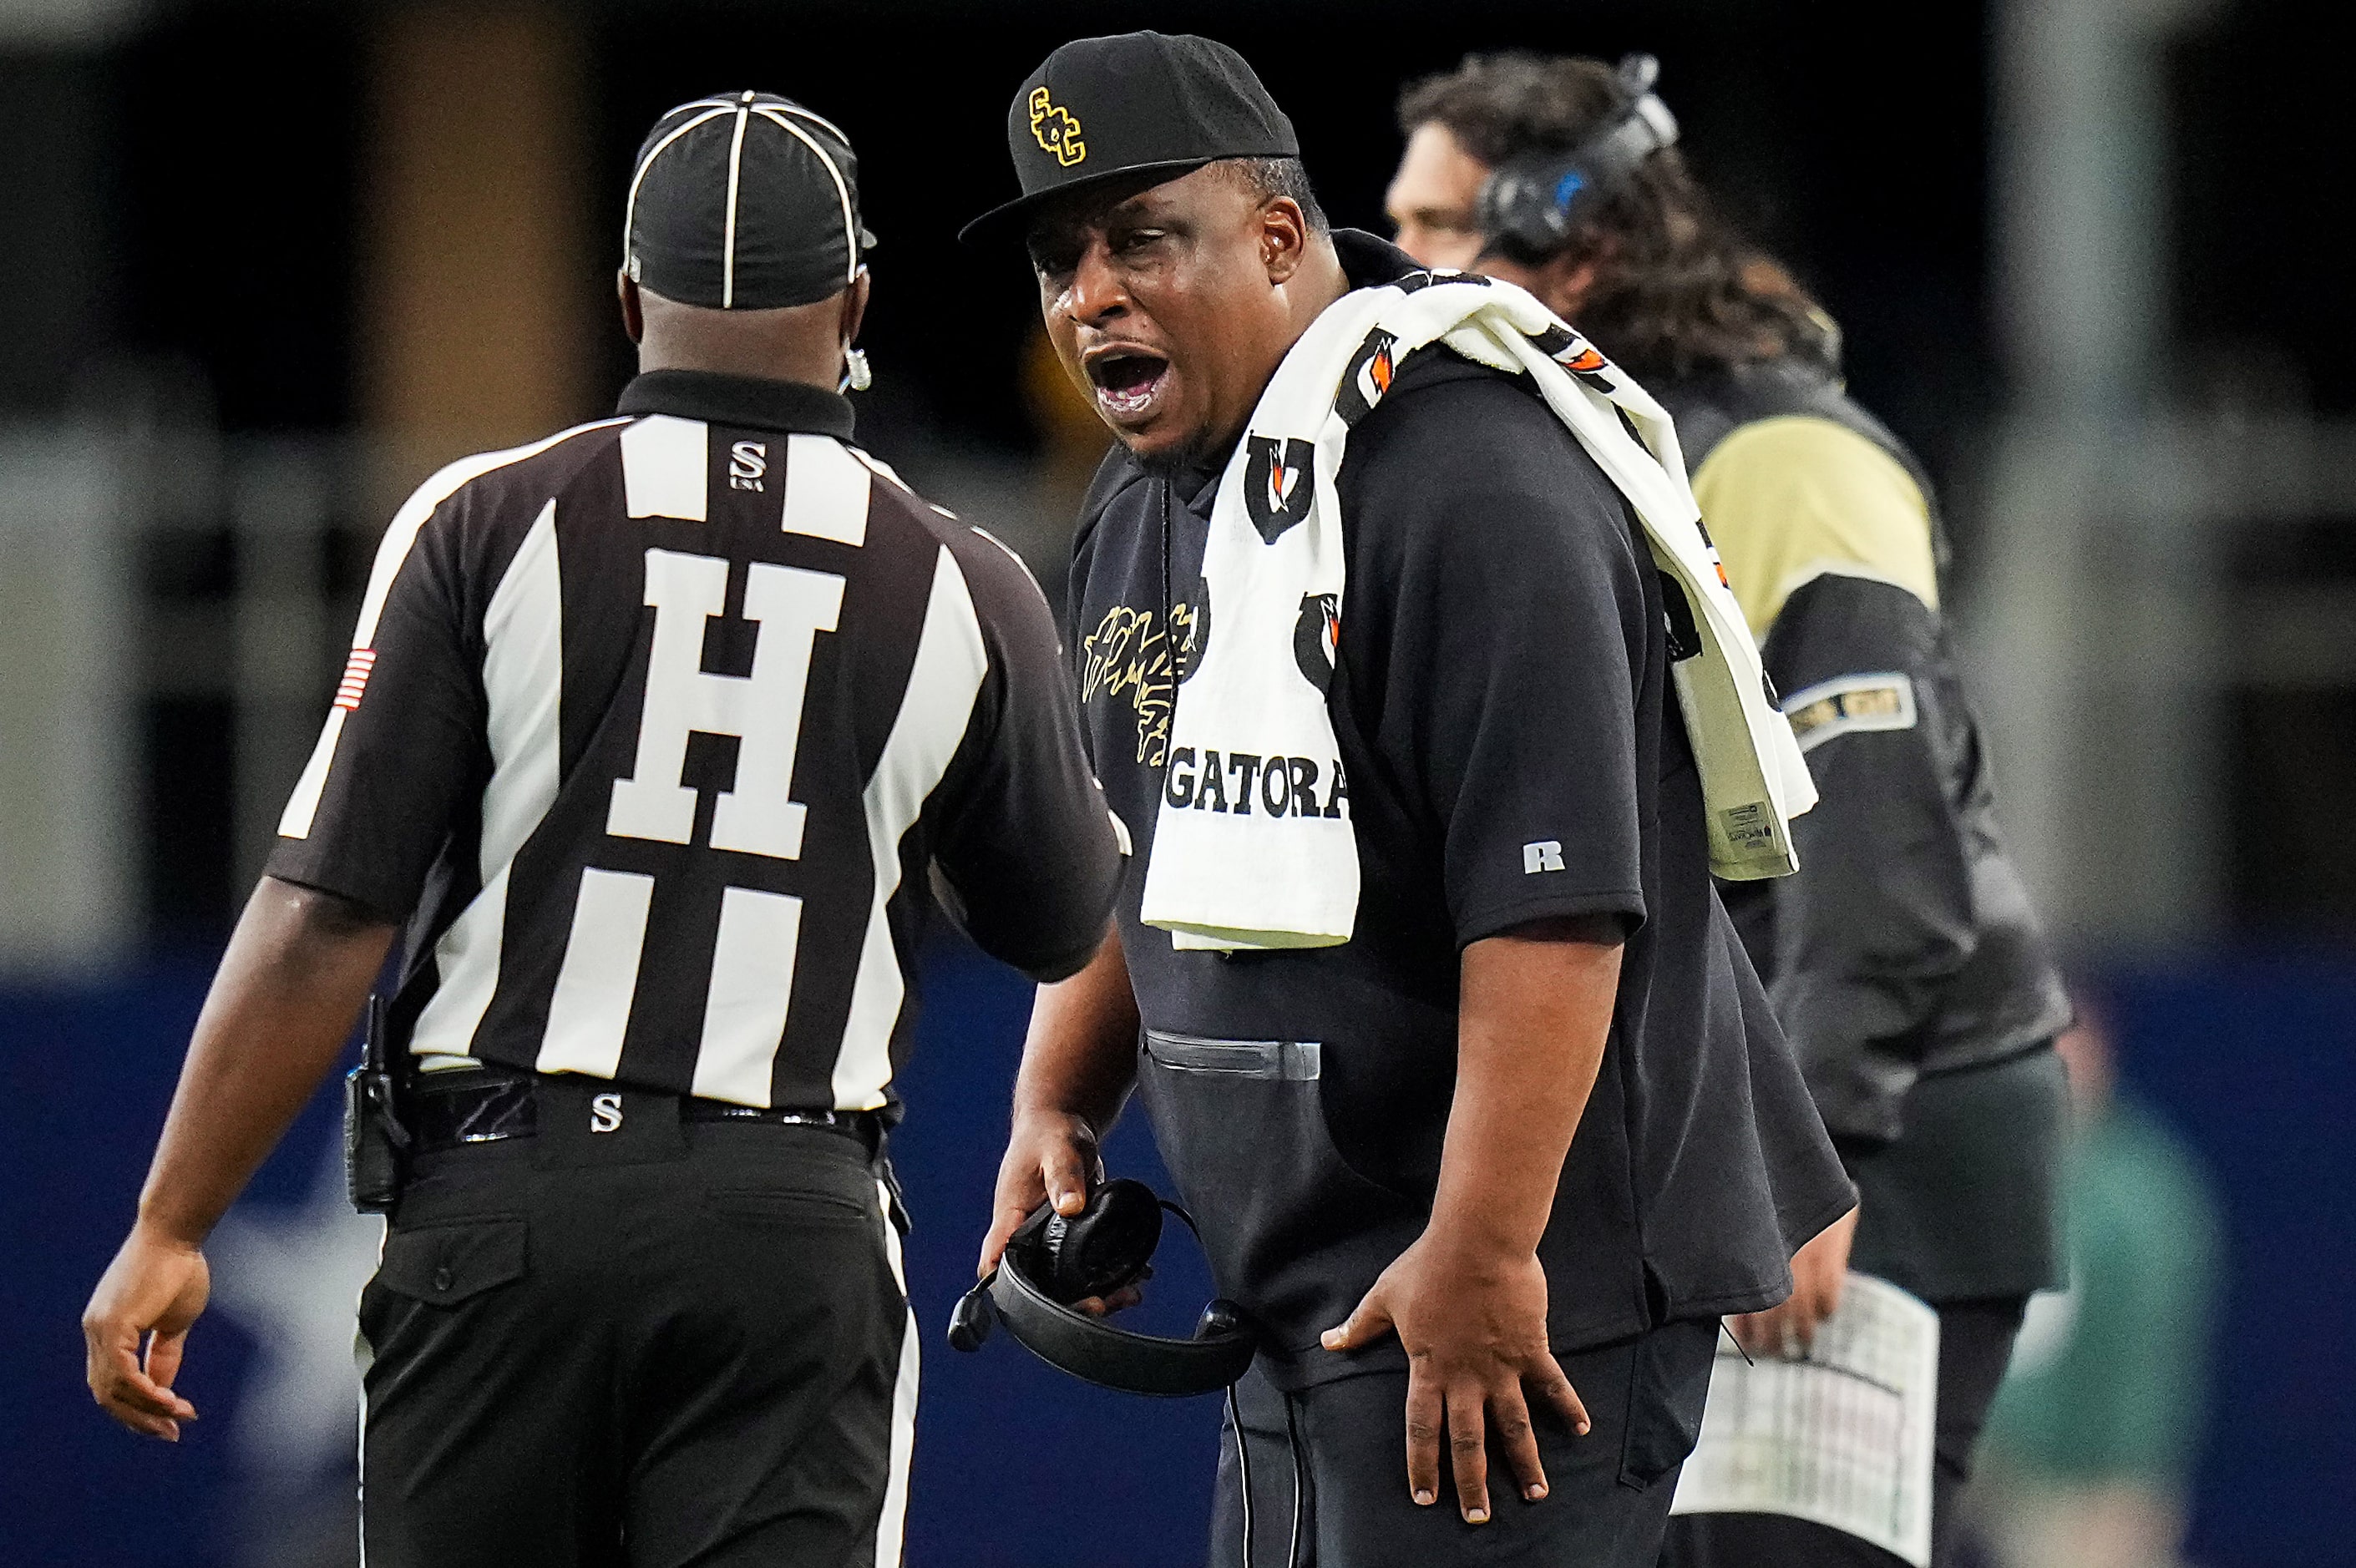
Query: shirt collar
(1367, 259)
(754, 401)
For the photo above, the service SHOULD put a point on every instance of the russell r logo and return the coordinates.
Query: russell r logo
(605, 1114)
(1546, 855)
(1056, 128)
(1278, 483)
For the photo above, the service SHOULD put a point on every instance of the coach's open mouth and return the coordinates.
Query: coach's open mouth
(1128, 383)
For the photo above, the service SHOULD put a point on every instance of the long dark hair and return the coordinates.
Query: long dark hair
(1678, 291)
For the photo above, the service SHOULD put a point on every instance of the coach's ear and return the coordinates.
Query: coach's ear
(634, 319)
(1566, 278)
(1285, 235)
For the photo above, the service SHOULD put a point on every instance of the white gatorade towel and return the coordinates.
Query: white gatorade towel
(1277, 871)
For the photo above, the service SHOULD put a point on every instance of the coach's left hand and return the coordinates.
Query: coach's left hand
(1819, 1270)
(1472, 1322)
(156, 1286)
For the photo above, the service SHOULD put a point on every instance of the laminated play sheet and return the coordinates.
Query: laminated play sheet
(1841, 1437)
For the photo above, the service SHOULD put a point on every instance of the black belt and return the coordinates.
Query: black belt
(491, 1106)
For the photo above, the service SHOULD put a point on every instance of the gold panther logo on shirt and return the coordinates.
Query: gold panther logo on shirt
(1128, 655)
(1056, 128)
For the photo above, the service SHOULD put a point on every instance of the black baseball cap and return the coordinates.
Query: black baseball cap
(1137, 103)
(743, 201)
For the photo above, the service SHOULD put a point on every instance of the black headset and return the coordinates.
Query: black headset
(1530, 205)
(1051, 1262)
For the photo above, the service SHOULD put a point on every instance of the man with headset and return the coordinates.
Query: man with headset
(1904, 958)
(651, 732)
(1484, 1175)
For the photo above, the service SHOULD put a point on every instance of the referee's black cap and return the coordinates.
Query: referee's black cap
(743, 201)
(1137, 103)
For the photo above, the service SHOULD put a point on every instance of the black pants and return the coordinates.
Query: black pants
(1974, 1344)
(1608, 1492)
(666, 1344)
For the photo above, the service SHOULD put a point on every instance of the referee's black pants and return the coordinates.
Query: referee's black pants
(1975, 1345)
(668, 1344)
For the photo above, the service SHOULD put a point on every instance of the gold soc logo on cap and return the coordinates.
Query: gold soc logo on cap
(1056, 128)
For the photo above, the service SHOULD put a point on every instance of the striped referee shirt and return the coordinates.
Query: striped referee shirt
(652, 729)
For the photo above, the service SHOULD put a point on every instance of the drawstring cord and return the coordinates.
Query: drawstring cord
(1243, 1467)
(1292, 1441)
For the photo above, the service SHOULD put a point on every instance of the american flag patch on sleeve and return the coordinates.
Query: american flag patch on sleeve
(356, 678)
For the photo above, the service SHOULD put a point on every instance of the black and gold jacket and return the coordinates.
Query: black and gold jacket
(1905, 947)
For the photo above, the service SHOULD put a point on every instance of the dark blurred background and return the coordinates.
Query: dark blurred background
(270, 264)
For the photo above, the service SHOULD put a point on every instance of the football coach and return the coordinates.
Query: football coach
(654, 734)
(1904, 960)
(1418, 964)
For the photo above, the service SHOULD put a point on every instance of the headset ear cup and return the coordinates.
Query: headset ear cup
(1530, 208)
(1219, 1318)
(1106, 1245)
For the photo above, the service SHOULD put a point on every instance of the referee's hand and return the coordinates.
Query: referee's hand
(1473, 1327)
(137, 1328)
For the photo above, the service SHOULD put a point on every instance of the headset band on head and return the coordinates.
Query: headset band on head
(1531, 205)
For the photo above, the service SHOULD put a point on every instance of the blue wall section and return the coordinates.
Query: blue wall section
(84, 1078)
(2253, 1060)
(1018, 1466)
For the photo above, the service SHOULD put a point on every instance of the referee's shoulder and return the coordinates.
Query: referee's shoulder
(531, 474)
(997, 580)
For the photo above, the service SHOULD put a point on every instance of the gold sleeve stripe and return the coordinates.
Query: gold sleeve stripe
(1792, 497)
(1849, 703)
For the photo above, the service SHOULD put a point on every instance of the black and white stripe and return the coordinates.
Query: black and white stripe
(716, 678)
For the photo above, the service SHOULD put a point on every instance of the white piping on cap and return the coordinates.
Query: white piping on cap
(728, 238)
(842, 187)
(821, 121)
(630, 206)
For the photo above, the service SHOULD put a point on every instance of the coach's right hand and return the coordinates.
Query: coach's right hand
(1052, 1156)
(156, 1286)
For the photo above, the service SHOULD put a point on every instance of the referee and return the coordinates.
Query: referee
(1904, 958)
(653, 734)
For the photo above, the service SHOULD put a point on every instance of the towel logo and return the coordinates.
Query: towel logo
(1189, 632)
(1317, 638)
(1427, 278)
(1056, 128)
(1367, 379)
(1677, 614)
(1575, 355)
(1283, 786)
(1279, 482)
